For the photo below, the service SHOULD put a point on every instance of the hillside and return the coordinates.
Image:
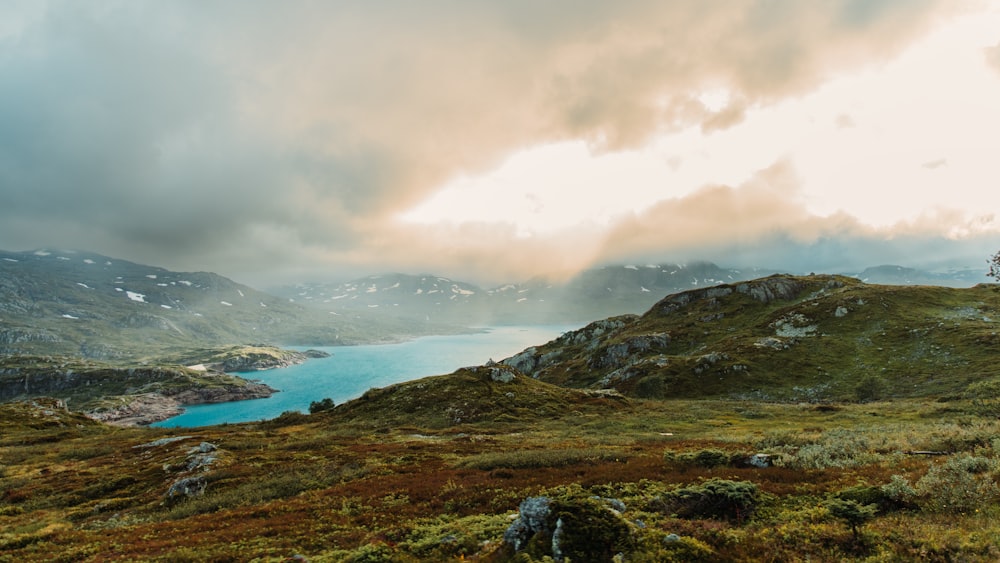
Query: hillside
(487, 464)
(92, 306)
(748, 429)
(786, 338)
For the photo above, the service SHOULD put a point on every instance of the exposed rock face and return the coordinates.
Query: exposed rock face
(531, 360)
(770, 289)
(222, 394)
(19, 336)
(58, 381)
(147, 408)
(141, 410)
(619, 354)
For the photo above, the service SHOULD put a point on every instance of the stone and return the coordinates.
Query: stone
(188, 487)
(533, 512)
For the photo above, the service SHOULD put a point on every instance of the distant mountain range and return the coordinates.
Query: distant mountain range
(592, 294)
(92, 306)
(87, 305)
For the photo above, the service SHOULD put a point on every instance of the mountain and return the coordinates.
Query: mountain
(92, 306)
(900, 275)
(799, 417)
(590, 295)
(799, 338)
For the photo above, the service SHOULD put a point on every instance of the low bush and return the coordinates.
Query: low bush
(534, 459)
(962, 484)
(708, 458)
(720, 499)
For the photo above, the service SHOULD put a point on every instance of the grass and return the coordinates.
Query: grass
(415, 492)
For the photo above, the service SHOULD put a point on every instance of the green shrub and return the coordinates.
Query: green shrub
(836, 448)
(899, 492)
(959, 485)
(372, 553)
(709, 458)
(684, 549)
(716, 498)
(985, 396)
(870, 388)
(651, 387)
(853, 513)
(586, 530)
(321, 405)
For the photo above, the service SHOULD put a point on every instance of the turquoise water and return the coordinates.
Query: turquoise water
(352, 370)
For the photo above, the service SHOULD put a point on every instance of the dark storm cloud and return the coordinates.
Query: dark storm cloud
(190, 134)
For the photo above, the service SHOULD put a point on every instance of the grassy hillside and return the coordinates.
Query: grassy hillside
(397, 476)
(490, 464)
(791, 338)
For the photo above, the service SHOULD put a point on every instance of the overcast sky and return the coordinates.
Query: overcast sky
(499, 140)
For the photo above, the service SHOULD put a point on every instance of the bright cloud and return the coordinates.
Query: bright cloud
(489, 138)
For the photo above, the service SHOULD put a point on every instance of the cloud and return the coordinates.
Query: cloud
(993, 56)
(765, 222)
(187, 132)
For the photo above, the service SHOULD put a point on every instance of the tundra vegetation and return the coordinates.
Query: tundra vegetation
(534, 459)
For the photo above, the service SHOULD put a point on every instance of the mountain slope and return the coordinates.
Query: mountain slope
(784, 338)
(84, 304)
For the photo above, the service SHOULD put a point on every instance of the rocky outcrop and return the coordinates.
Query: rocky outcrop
(771, 289)
(535, 359)
(10, 336)
(571, 529)
(56, 380)
(139, 410)
(223, 393)
(262, 358)
(147, 408)
(620, 354)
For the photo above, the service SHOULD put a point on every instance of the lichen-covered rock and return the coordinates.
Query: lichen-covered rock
(533, 514)
(501, 374)
(623, 353)
(770, 289)
(187, 487)
(570, 529)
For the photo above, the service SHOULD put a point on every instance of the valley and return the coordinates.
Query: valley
(769, 419)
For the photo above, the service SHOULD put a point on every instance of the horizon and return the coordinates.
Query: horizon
(498, 142)
(346, 278)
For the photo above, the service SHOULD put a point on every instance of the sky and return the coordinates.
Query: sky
(497, 141)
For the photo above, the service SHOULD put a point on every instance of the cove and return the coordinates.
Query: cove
(352, 370)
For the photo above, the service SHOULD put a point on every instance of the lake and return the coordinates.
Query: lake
(352, 370)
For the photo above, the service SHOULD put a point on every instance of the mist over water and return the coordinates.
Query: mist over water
(352, 370)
